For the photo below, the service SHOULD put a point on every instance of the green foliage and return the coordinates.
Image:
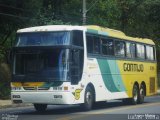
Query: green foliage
(5, 77)
(103, 14)
(5, 90)
(44, 18)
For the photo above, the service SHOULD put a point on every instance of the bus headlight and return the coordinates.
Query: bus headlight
(16, 88)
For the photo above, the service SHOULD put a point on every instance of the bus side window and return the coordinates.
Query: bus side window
(104, 46)
(89, 44)
(93, 44)
(149, 53)
(130, 50)
(107, 47)
(96, 45)
(120, 48)
(140, 51)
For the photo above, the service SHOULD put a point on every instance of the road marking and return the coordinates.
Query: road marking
(85, 114)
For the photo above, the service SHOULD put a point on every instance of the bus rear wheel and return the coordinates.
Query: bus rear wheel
(88, 99)
(135, 95)
(40, 107)
(141, 94)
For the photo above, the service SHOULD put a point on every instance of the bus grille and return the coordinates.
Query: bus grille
(36, 88)
(152, 84)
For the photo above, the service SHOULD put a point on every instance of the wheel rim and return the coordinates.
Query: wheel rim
(142, 93)
(135, 94)
(88, 97)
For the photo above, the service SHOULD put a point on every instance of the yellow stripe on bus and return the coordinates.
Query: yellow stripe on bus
(27, 84)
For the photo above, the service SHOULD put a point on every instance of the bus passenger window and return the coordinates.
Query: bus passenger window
(110, 47)
(89, 44)
(140, 51)
(96, 46)
(93, 44)
(130, 50)
(107, 47)
(119, 48)
(149, 53)
(104, 46)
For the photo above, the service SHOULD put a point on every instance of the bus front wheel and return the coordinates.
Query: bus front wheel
(88, 99)
(40, 107)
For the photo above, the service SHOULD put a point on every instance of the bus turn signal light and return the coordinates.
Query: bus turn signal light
(65, 88)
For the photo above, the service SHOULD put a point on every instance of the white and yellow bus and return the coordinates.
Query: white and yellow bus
(84, 65)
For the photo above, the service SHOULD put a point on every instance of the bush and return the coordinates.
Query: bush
(5, 77)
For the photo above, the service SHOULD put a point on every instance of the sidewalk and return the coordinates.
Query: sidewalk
(8, 103)
(5, 103)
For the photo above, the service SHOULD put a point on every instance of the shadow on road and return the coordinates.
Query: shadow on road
(73, 109)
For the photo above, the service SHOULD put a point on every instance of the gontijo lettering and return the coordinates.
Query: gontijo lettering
(133, 67)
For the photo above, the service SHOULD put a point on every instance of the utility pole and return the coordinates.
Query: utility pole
(84, 12)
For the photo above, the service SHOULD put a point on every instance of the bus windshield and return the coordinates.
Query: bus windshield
(43, 38)
(42, 65)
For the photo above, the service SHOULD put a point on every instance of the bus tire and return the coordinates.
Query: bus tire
(135, 95)
(88, 99)
(141, 94)
(40, 107)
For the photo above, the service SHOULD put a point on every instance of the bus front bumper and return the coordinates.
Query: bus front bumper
(43, 97)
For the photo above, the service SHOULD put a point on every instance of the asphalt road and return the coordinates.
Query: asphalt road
(112, 110)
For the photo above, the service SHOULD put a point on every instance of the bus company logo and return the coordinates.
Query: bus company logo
(133, 67)
(77, 93)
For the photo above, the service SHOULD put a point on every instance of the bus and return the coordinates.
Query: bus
(85, 65)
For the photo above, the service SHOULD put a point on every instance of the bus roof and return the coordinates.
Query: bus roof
(90, 28)
(51, 28)
(116, 34)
